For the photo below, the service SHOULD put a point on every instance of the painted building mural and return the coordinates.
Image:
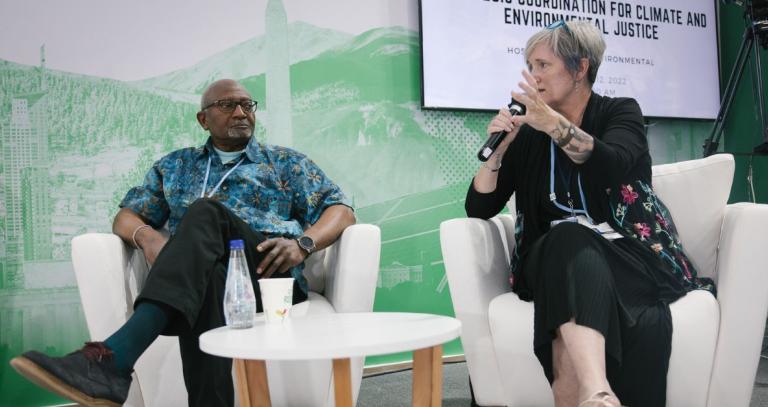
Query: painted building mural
(73, 143)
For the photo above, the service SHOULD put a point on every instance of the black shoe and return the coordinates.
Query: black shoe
(87, 376)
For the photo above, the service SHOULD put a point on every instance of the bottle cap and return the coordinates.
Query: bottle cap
(236, 244)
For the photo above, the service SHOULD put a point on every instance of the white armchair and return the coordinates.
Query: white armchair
(722, 337)
(342, 278)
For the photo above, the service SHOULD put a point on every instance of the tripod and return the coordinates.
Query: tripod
(753, 30)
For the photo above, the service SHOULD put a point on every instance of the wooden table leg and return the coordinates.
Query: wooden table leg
(342, 382)
(241, 386)
(428, 377)
(252, 385)
(437, 376)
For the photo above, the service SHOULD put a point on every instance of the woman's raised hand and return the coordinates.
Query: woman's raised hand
(537, 113)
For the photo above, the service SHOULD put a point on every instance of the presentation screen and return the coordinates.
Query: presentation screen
(662, 53)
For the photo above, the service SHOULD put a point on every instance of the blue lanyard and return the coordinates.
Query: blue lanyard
(553, 196)
(208, 172)
(566, 181)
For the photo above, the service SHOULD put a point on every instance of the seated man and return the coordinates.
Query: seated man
(275, 199)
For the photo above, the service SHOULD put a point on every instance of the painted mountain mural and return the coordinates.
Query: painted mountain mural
(354, 110)
(247, 59)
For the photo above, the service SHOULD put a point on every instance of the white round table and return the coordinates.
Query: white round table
(338, 337)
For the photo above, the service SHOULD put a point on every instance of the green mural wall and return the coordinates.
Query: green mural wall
(72, 144)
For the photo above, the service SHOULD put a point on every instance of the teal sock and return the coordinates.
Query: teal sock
(135, 336)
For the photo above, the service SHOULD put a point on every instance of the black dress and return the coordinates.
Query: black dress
(572, 272)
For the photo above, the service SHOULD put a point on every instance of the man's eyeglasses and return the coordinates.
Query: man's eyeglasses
(559, 23)
(229, 106)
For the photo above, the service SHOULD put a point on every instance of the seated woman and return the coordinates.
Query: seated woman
(576, 160)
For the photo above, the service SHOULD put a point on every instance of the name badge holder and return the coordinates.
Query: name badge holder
(580, 216)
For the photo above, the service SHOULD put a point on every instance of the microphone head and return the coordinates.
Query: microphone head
(516, 108)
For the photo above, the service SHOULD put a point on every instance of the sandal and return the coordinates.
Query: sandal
(600, 399)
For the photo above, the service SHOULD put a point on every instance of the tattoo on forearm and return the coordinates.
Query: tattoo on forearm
(576, 143)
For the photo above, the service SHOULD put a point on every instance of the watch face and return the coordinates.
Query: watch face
(307, 243)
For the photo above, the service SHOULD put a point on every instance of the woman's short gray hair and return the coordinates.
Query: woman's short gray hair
(571, 41)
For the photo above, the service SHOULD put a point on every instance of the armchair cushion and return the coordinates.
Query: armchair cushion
(696, 192)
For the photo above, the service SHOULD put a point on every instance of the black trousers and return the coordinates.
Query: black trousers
(189, 276)
(574, 273)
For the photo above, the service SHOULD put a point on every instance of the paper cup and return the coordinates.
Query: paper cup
(276, 298)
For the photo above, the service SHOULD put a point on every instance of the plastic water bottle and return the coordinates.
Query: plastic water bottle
(239, 298)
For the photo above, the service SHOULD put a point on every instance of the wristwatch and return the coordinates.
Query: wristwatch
(306, 243)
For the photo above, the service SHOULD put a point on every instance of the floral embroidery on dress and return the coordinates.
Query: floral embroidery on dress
(621, 210)
(648, 206)
(643, 230)
(661, 221)
(519, 217)
(634, 221)
(628, 195)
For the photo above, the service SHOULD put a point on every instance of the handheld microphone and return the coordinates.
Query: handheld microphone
(515, 108)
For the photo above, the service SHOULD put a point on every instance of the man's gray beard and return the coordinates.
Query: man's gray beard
(235, 134)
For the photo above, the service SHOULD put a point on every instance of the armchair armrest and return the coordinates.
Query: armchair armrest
(353, 267)
(477, 267)
(103, 266)
(742, 274)
(110, 274)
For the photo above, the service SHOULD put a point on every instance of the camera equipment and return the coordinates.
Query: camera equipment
(755, 36)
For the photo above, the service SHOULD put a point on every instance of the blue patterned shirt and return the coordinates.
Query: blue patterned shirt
(276, 190)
